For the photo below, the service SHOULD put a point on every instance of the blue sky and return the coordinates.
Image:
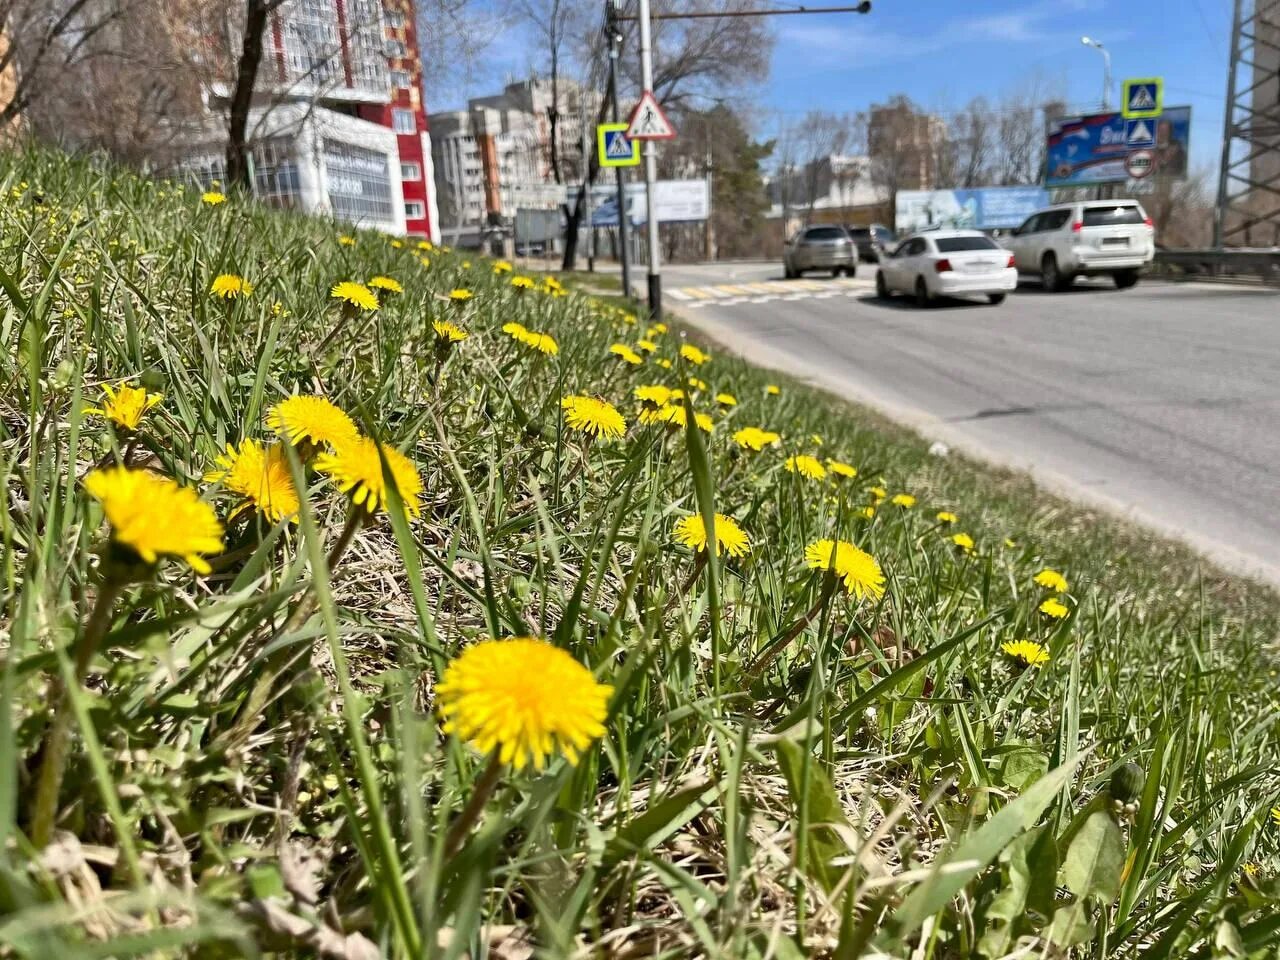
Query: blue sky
(941, 53)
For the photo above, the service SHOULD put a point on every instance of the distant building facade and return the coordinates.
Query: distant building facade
(338, 126)
(909, 139)
(495, 158)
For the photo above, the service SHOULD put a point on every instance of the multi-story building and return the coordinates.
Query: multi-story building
(495, 159)
(340, 85)
(904, 144)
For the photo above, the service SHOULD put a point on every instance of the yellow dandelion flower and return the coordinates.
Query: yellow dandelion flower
(946, 516)
(878, 493)
(542, 342)
(1051, 580)
(594, 416)
(861, 574)
(125, 407)
(313, 419)
(693, 354)
(664, 363)
(628, 318)
(963, 541)
(1275, 815)
(866, 512)
(626, 353)
(229, 286)
(1027, 652)
(840, 469)
(753, 438)
(552, 284)
(449, 331)
(397, 244)
(386, 283)
(806, 466)
(648, 346)
(772, 390)
(260, 476)
(726, 399)
(356, 468)
(501, 266)
(460, 294)
(425, 245)
(1009, 544)
(212, 198)
(656, 330)
(153, 516)
(697, 384)
(1055, 608)
(904, 500)
(730, 538)
(653, 393)
(514, 330)
(347, 241)
(355, 294)
(523, 283)
(674, 413)
(524, 698)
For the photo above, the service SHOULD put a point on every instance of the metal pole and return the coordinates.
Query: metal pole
(709, 235)
(624, 221)
(650, 173)
(1106, 78)
(1228, 133)
(586, 192)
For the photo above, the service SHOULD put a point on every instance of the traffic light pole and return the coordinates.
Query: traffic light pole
(624, 219)
(650, 173)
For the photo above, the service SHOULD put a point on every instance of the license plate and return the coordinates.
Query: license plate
(1115, 241)
(979, 266)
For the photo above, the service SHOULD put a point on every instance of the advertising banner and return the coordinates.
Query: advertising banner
(677, 200)
(982, 208)
(1105, 148)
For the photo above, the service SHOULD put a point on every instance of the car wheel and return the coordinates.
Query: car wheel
(788, 271)
(882, 288)
(995, 299)
(1126, 279)
(836, 271)
(922, 294)
(1052, 277)
(851, 270)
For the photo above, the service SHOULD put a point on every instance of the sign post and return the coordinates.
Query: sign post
(649, 123)
(624, 228)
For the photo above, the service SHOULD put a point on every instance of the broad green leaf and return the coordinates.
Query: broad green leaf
(1094, 862)
(815, 794)
(979, 848)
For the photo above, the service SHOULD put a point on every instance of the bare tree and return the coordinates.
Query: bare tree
(818, 137)
(971, 149)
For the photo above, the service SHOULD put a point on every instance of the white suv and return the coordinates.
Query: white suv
(1090, 238)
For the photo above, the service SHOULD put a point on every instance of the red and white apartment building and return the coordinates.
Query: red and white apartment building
(338, 126)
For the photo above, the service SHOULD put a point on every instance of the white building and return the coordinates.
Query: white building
(840, 182)
(315, 160)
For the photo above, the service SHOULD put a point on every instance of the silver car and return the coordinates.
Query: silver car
(820, 248)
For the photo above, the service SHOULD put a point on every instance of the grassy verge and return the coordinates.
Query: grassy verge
(1001, 723)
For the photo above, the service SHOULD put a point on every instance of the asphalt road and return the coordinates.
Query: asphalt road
(1162, 402)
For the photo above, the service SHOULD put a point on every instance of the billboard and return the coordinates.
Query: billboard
(983, 208)
(677, 200)
(1105, 148)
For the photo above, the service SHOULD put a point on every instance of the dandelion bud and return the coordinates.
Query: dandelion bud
(1127, 783)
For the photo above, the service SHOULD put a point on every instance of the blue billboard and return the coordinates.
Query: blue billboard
(1105, 148)
(983, 208)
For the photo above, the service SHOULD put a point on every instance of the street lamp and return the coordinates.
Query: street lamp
(1106, 69)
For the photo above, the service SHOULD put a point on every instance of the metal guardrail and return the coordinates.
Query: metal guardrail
(1238, 264)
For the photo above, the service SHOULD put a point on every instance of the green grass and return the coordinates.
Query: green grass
(243, 784)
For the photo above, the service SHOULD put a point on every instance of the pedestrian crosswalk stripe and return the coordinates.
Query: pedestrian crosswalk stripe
(762, 291)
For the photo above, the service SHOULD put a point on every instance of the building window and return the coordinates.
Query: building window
(359, 183)
(403, 121)
(400, 79)
(395, 19)
(395, 48)
(410, 171)
(413, 210)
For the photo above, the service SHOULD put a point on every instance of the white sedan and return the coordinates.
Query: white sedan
(947, 263)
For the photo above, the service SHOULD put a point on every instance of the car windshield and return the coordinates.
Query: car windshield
(959, 244)
(1111, 216)
(825, 233)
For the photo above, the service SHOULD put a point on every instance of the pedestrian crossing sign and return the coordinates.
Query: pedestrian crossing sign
(614, 148)
(1143, 99)
(648, 121)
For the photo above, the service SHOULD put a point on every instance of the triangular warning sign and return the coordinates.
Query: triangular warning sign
(618, 146)
(648, 122)
(1142, 99)
(1141, 133)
